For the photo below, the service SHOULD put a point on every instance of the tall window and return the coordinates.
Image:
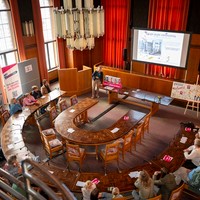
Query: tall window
(49, 35)
(8, 50)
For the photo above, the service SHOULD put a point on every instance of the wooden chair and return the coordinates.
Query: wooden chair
(75, 153)
(110, 153)
(159, 197)
(138, 134)
(146, 123)
(46, 132)
(52, 115)
(63, 105)
(73, 100)
(126, 144)
(5, 116)
(176, 194)
(51, 144)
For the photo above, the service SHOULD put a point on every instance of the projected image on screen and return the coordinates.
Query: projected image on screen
(160, 47)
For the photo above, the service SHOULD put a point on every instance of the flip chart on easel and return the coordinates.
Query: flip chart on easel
(184, 91)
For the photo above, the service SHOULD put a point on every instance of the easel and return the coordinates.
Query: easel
(194, 103)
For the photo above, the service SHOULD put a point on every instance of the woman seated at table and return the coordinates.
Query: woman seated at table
(145, 184)
(192, 155)
(29, 100)
(14, 106)
(87, 189)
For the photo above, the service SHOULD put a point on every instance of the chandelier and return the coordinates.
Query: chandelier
(79, 25)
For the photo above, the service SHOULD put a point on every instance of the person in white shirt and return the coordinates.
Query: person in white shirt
(87, 189)
(192, 155)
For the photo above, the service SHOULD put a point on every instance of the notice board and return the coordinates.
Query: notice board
(185, 91)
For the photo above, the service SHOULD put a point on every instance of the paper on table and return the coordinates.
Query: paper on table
(70, 130)
(10, 146)
(115, 130)
(50, 171)
(134, 174)
(42, 97)
(80, 183)
(126, 93)
(183, 140)
(72, 110)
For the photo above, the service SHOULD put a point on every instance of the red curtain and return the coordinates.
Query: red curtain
(116, 27)
(167, 15)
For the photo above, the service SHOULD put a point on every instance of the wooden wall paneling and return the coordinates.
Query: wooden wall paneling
(68, 80)
(138, 67)
(69, 58)
(31, 52)
(97, 52)
(193, 64)
(78, 59)
(53, 75)
(193, 59)
(84, 80)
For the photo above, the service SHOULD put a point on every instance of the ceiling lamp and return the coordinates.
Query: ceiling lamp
(79, 25)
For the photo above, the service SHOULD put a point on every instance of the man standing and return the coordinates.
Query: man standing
(97, 80)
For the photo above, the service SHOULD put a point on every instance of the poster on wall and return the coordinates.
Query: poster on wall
(12, 81)
(184, 91)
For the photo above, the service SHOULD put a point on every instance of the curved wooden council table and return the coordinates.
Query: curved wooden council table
(11, 134)
(66, 125)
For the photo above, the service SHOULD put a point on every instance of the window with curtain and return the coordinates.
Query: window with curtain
(46, 7)
(8, 50)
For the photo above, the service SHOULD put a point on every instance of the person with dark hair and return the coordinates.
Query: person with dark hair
(45, 89)
(145, 184)
(97, 80)
(167, 183)
(14, 106)
(12, 166)
(36, 93)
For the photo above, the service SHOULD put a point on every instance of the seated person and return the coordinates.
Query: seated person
(14, 106)
(109, 196)
(94, 194)
(45, 89)
(12, 166)
(87, 189)
(145, 184)
(29, 100)
(192, 154)
(167, 183)
(191, 177)
(36, 93)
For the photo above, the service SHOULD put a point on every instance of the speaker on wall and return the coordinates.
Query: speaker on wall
(124, 54)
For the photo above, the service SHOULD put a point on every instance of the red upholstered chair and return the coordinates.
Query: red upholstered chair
(63, 105)
(73, 100)
(75, 153)
(53, 114)
(126, 143)
(5, 116)
(110, 154)
(137, 136)
(51, 144)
